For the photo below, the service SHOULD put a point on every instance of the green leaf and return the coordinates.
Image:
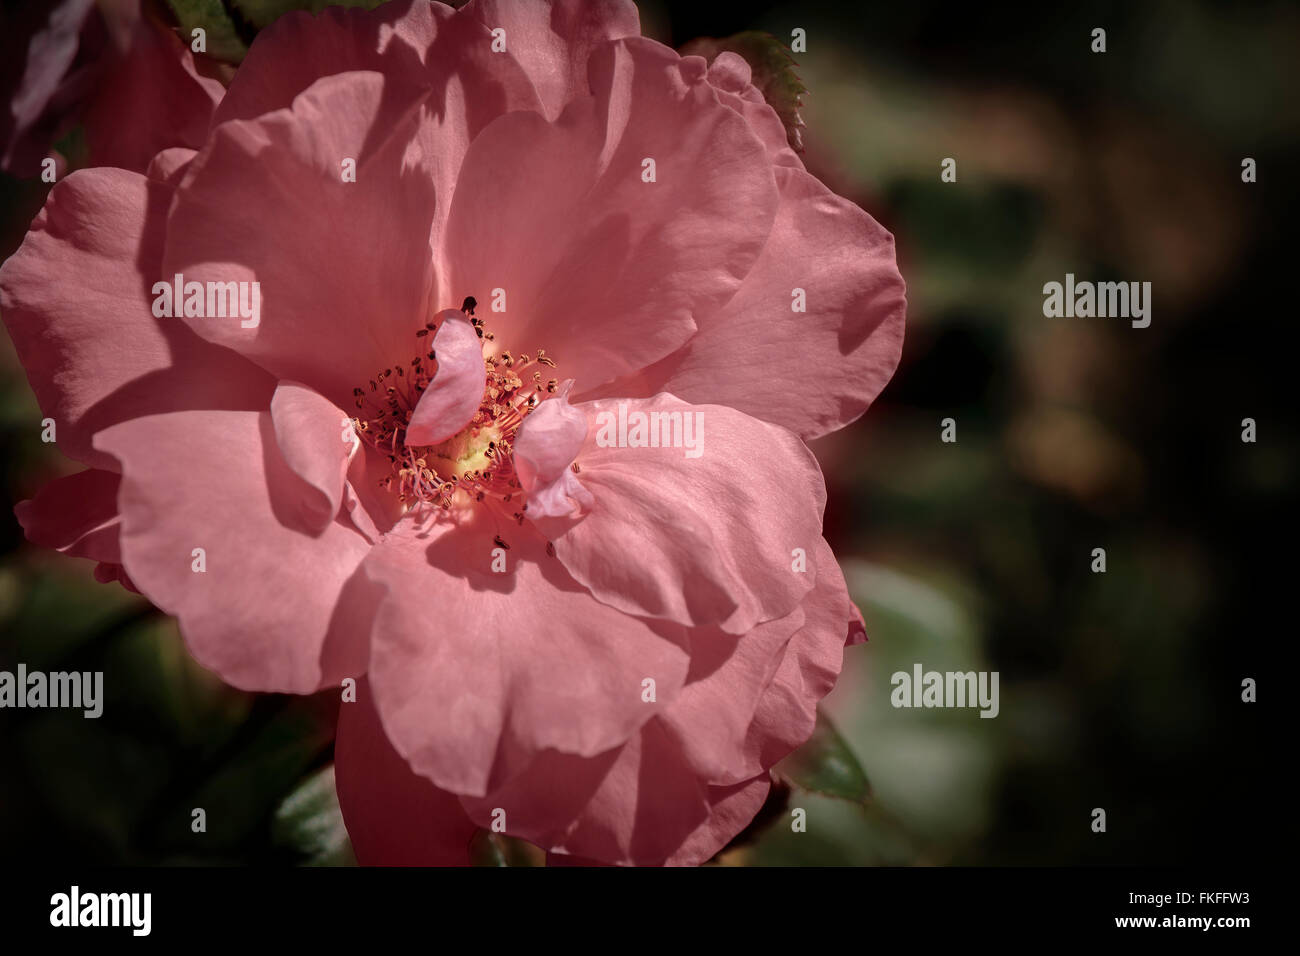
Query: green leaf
(232, 25)
(826, 765)
(241, 782)
(223, 41)
(309, 823)
(497, 849)
(774, 74)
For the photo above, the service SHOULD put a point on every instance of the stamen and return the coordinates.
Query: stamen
(475, 466)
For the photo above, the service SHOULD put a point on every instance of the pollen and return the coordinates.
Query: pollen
(472, 467)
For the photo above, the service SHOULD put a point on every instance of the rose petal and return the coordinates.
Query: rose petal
(274, 609)
(552, 39)
(476, 671)
(394, 817)
(344, 267)
(544, 448)
(453, 397)
(76, 515)
(316, 440)
(716, 718)
(701, 535)
(813, 371)
(76, 297)
(604, 271)
(154, 98)
(731, 76)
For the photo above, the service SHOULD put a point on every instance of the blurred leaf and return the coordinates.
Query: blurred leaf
(908, 614)
(988, 227)
(935, 769)
(243, 781)
(74, 148)
(826, 765)
(224, 40)
(497, 849)
(774, 75)
(838, 833)
(98, 789)
(231, 26)
(61, 611)
(309, 822)
(261, 13)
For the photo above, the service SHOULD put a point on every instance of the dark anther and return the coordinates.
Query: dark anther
(468, 305)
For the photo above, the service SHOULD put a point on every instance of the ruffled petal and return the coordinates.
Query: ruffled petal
(732, 77)
(604, 270)
(731, 809)
(476, 671)
(299, 48)
(552, 39)
(414, 43)
(274, 609)
(811, 371)
(343, 268)
(737, 692)
(92, 349)
(711, 717)
(700, 528)
(634, 806)
(787, 711)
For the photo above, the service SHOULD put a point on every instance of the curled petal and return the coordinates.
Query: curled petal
(76, 515)
(545, 447)
(454, 395)
(316, 441)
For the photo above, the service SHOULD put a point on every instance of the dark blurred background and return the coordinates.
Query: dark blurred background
(1119, 690)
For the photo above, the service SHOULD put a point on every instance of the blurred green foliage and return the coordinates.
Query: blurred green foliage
(230, 26)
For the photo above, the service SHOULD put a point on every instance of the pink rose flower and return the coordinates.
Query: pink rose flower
(602, 641)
